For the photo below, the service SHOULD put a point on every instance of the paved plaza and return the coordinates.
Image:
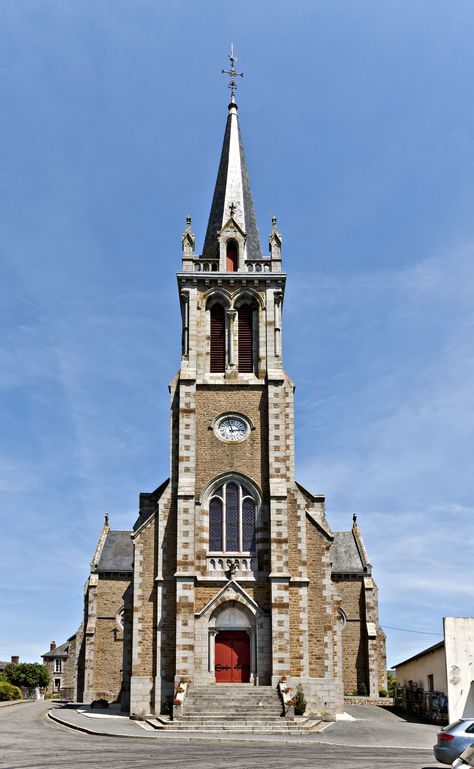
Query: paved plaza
(29, 739)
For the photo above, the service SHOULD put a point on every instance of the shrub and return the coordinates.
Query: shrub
(391, 683)
(362, 690)
(383, 693)
(28, 674)
(9, 692)
(300, 701)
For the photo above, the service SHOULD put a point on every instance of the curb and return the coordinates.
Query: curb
(162, 735)
(84, 729)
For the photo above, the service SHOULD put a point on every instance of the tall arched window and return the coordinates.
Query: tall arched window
(232, 511)
(245, 314)
(231, 256)
(217, 338)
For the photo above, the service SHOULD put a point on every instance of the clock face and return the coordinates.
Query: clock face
(232, 429)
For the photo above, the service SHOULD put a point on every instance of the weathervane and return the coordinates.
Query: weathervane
(232, 72)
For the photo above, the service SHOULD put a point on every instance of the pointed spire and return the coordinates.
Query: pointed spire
(232, 196)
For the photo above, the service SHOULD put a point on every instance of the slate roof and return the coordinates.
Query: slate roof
(232, 174)
(60, 651)
(117, 553)
(344, 554)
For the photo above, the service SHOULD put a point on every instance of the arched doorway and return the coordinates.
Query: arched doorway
(232, 656)
(232, 647)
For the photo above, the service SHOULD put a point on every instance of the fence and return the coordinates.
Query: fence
(415, 701)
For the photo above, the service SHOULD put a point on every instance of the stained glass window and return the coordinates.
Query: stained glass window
(232, 513)
(248, 524)
(232, 518)
(215, 525)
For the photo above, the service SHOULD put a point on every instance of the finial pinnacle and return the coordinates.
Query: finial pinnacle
(106, 522)
(232, 72)
(354, 519)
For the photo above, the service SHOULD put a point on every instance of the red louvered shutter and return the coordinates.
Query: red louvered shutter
(231, 261)
(217, 338)
(246, 339)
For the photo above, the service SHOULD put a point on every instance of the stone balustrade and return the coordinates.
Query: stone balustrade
(242, 564)
(205, 265)
(202, 264)
(263, 265)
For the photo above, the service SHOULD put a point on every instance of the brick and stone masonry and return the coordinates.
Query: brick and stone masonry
(159, 601)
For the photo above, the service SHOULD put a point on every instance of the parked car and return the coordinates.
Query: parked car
(466, 759)
(453, 739)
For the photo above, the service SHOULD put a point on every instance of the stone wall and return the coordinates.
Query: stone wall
(108, 640)
(354, 636)
(213, 457)
(260, 592)
(320, 621)
(144, 619)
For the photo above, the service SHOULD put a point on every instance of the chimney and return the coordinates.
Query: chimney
(52, 646)
(15, 660)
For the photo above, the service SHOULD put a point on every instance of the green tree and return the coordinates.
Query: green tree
(28, 674)
(391, 683)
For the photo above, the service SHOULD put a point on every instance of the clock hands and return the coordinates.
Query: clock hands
(232, 429)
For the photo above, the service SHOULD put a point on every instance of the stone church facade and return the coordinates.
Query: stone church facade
(231, 573)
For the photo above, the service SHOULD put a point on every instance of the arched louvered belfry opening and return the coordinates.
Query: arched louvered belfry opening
(217, 363)
(232, 252)
(246, 338)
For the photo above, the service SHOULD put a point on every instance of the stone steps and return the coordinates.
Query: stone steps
(238, 727)
(286, 727)
(234, 709)
(198, 717)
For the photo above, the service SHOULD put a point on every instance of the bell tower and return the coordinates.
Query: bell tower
(234, 407)
(234, 578)
(231, 268)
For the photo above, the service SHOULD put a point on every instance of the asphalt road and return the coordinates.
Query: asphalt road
(28, 740)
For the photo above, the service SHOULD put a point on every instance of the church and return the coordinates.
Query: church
(231, 574)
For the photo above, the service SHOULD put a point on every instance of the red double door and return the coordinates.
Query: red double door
(232, 657)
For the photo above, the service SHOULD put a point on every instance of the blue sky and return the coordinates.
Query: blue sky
(358, 124)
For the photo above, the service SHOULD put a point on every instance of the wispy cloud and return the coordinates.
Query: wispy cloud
(400, 452)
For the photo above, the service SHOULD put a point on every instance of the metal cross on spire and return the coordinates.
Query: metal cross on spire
(232, 72)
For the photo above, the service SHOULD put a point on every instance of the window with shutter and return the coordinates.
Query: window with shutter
(217, 338)
(246, 338)
(232, 254)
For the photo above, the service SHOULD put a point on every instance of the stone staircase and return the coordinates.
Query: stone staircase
(234, 708)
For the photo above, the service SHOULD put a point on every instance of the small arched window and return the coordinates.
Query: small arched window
(217, 338)
(231, 256)
(232, 511)
(246, 343)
